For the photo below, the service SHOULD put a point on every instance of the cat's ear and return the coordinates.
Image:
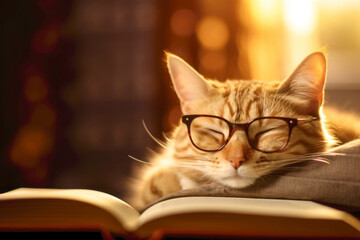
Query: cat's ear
(307, 82)
(189, 85)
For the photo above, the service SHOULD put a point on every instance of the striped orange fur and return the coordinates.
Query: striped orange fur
(180, 165)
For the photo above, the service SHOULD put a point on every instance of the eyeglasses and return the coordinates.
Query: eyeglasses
(265, 134)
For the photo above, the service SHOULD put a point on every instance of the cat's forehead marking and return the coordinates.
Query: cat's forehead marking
(243, 100)
(246, 100)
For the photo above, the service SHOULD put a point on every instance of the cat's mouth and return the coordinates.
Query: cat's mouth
(237, 180)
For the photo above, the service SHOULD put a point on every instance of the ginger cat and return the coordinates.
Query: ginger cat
(234, 132)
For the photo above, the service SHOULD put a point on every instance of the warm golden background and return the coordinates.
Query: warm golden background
(78, 77)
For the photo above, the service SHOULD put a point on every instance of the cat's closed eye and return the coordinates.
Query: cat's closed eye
(271, 131)
(209, 136)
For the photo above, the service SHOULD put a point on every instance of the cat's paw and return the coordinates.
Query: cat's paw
(160, 183)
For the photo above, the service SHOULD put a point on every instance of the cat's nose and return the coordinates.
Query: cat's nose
(236, 161)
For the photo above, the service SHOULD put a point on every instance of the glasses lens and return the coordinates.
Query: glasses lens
(209, 133)
(268, 134)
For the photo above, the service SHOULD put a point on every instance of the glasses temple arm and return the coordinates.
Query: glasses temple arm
(307, 120)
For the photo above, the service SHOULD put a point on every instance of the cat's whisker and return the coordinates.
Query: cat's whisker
(290, 163)
(195, 161)
(184, 156)
(199, 160)
(318, 157)
(281, 163)
(158, 141)
(189, 166)
(166, 137)
(138, 160)
(192, 160)
(299, 160)
(321, 160)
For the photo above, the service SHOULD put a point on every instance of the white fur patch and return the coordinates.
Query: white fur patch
(185, 182)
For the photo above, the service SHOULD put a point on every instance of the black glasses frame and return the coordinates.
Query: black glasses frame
(292, 122)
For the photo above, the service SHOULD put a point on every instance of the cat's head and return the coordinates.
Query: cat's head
(251, 152)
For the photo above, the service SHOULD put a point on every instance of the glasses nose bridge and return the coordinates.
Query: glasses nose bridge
(237, 126)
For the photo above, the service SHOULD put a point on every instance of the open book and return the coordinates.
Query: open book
(27, 209)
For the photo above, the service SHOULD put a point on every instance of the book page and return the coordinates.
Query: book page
(248, 206)
(231, 204)
(125, 216)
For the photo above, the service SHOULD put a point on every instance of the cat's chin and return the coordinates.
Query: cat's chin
(237, 181)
